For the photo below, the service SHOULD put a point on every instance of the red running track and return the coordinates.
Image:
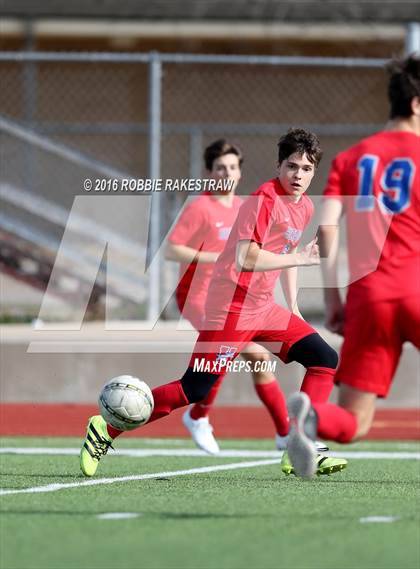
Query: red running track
(69, 420)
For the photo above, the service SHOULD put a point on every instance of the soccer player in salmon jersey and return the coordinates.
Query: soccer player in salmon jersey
(240, 306)
(196, 242)
(376, 184)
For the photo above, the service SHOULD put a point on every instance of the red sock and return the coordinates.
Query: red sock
(335, 423)
(273, 398)
(318, 383)
(166, 397)
(202, 409)
(113, 432)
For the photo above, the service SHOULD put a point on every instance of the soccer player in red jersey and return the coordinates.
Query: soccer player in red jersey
(376, 183)
(196, 242)
(240, 305)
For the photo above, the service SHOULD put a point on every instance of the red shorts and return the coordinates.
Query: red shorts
(373, 338)
(274, 328)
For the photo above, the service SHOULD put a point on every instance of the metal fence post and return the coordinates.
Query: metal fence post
(412, 38)
(155, 91)
(196, 143)
(30, 94)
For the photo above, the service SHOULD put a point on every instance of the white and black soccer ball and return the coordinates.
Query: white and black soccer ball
(126, 402)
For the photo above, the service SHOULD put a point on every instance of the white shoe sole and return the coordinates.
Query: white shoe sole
(213, 449)
(301, 449)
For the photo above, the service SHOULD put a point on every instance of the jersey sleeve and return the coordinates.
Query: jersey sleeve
(334, 187)
(255, 218)
(190, 223)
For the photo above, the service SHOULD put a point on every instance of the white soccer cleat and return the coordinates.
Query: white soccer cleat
(281, 443)
(201, 432)
(301, 447)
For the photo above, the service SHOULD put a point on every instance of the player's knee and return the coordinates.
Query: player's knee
(361, 404)
(197, 384)
(328, 356)
(255, 353)
(313, 351)
(264, 357)
(260, 366)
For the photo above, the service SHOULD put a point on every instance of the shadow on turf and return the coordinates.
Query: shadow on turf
(156, 515)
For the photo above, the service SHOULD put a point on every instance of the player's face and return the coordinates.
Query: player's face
(226, 167)
(295, 174)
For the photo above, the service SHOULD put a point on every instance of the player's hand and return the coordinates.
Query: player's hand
(310, 254)
(334, 318)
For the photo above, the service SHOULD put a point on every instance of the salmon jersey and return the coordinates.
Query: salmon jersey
(204, 225)
(273, 220)
(378, 181)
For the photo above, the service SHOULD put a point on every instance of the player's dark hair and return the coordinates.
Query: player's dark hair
(404, 85)
(220, 148)
(301, 141)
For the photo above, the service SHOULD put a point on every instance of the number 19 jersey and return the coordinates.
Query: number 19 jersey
(378, 181)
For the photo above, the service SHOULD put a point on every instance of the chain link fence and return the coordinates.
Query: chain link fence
(68, 117)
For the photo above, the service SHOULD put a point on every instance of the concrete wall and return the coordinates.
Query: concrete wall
(65, 366)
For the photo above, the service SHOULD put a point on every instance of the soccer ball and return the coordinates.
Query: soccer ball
(126, 402)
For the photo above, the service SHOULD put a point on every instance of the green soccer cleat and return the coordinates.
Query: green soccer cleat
(324, 464)
(328, 465)
(96, 445)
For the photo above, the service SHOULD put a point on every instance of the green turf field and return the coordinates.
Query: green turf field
(246, 514)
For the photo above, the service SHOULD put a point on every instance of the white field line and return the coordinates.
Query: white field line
(379, 519)
(118, 516)
(141, 453)
(169, 474)
(170, 442)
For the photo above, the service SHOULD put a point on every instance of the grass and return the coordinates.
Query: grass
(245, 518)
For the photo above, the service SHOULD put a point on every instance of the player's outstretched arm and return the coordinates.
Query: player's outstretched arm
(185, 254)
(288, 280)
(250, 257)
